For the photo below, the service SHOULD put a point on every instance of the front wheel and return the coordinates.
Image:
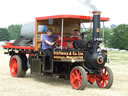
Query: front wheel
(105, 80)
(78, 78)
(16, 66)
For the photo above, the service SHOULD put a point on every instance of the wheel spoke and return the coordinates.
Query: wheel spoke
(79, 73)
(79, 84)
(80, 78)
(106, 77)
(102, 84)
(104, 72)
(76, 71)
(73, 75)
(76, 83)
(73, 80)
(106, 82)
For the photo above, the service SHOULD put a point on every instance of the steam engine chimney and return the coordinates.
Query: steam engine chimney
(96, 30)
(96, 25)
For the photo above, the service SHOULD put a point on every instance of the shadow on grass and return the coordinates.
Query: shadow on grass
(55, 81)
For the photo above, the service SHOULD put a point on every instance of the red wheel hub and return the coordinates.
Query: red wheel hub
(14, 66)
(103, 80)
(76, 79)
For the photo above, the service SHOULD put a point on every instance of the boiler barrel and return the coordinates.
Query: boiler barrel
(28, 30)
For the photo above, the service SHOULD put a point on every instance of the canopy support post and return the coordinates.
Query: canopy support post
(103, 32)
(62, 30)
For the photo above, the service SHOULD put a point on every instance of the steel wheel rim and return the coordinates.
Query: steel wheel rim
(14, 66)
(103, 80)
(76, 78)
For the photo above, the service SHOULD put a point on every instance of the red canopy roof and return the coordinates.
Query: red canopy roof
(70, 16)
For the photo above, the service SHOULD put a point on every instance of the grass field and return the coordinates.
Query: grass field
(36, 85)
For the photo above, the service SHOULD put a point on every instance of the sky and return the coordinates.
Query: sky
(23, 11)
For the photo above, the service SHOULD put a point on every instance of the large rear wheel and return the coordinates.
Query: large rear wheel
(106, 79)
(16, 66)
(78, 78)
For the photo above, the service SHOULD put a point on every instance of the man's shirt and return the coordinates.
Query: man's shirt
(46, 37)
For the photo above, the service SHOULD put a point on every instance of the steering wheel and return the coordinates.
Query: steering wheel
(55, 45)
(83, 33)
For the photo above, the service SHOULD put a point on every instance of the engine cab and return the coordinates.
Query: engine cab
(71, 49)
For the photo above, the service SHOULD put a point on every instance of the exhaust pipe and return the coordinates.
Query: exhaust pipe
(96, 30)
(96, 25)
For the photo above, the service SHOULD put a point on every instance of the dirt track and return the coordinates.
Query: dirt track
(35, 85)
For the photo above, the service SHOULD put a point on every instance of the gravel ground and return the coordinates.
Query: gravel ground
(36, 85)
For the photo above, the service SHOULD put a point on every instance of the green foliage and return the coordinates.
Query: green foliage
(14, 31)
(108, 33)
(4, 36)
(116, 37)
(120, 37)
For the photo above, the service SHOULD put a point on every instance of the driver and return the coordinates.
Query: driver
(76, 34)
(47, 43)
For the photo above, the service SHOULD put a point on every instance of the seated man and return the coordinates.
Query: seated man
(47, 43)
(76, 34)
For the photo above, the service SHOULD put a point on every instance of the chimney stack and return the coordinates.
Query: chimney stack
(96, 25)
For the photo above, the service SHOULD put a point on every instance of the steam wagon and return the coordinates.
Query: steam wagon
(81, 61)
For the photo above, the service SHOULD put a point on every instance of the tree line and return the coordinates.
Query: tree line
(116, 37)
(10, 33)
